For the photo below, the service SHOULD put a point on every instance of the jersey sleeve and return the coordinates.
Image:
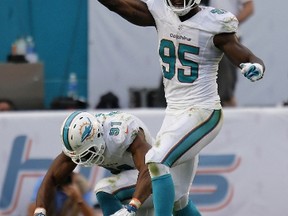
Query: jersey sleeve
(222, 21)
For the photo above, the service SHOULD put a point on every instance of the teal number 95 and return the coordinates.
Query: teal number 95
(167, 52)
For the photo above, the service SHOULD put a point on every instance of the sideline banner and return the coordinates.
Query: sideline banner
(242, 172)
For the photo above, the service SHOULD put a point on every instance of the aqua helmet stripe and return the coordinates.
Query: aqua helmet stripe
(66, 130)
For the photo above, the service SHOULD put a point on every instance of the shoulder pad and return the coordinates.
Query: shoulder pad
(223, 21)
(123, 129)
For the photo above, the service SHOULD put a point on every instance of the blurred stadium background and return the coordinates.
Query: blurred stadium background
(244, 171)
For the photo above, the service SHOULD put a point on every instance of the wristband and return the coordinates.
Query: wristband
(40, 211)
(135, 202)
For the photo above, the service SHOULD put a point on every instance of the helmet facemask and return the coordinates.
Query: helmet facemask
(89, 157)
(82, 137)
(183, 10)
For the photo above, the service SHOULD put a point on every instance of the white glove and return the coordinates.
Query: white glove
(252, 71)
(40, 212)
(128, 210)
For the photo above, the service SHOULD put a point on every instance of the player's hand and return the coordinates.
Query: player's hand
(252, 71)
(128, 210)
(40, 212)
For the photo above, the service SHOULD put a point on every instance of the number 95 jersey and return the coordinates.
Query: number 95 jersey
(188, 57)
(120, 130)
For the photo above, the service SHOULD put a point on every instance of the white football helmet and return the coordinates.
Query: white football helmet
(182, 10)
(82, 139)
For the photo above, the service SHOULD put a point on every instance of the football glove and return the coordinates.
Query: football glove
(252, 71)
(128, 210)
(40, 212)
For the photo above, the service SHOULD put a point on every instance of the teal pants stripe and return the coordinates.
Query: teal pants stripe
(192, 138)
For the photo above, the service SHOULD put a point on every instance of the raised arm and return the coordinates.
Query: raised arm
(134, 11)
(60, 169)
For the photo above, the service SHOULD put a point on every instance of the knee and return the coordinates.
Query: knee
(157, 169)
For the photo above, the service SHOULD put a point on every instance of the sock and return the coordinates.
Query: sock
(108, 203)
(163, 195)
(189, 210)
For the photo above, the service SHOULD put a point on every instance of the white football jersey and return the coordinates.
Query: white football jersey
(188, 57)
(120, 130)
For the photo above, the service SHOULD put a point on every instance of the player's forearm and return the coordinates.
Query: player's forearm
(44, 197)
(254, 59)
(134, 11)
(42, 203)
(143, 187)
(46, 192)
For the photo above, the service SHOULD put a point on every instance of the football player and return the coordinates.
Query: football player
(191, 42)
(116, 141)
